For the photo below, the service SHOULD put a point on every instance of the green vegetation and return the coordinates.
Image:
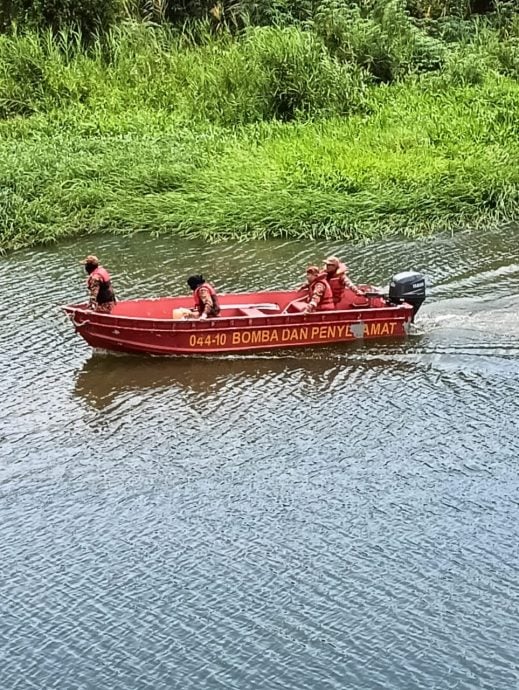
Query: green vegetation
(337, 120)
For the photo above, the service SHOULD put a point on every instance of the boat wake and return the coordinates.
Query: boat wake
(500, 317)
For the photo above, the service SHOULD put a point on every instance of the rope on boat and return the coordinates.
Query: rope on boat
(78, 324)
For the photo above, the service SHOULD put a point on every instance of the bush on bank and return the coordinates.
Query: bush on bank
(319, 68)
(93, 16)
(280, 73)
(351, 123)
(404, 168)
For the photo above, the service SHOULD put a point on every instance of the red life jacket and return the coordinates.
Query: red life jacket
(199, 305)
(106, 293)
(327, 303)
(336, 283)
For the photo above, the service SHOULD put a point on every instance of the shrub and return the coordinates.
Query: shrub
(385, 41)
(297, 76)
(87, 16)
(267, 73)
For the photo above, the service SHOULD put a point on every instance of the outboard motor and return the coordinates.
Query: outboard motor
(409, 287)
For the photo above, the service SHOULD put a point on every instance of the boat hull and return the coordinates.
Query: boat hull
(236, 330)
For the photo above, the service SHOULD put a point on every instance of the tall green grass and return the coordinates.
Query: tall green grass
(418, 163)
(281, 131)
(268, 73)
(263, 73)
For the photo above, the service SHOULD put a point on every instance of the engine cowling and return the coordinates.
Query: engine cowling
(409, 287)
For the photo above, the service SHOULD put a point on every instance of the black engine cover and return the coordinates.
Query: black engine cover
(409, 287)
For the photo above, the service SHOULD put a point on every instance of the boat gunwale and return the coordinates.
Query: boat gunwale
(356, 312)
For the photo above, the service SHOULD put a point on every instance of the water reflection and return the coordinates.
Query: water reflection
(104, 376)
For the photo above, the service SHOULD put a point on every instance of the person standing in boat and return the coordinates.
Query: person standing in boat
(320, 297)
(336, 274)
(99, 285)
(206, 299)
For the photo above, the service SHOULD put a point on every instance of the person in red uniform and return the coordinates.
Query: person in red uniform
(320, 296)
(206, 299)
(337, 277)
(99, 285)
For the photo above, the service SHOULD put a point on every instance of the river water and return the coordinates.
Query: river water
(344, 517)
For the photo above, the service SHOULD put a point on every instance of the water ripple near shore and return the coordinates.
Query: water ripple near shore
(338, 517)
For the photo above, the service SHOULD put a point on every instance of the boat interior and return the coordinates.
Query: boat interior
(257, 304)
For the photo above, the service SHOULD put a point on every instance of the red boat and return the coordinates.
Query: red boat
(250, 321)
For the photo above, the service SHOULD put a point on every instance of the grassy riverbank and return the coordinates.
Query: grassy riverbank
(216, 141)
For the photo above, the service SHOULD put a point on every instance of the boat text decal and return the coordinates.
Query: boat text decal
(267, 336)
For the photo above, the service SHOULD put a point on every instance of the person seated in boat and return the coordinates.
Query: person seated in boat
(337, 276)
(99, 285)
(320, 296)
(206, 299)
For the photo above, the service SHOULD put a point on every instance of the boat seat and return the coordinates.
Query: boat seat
(298, 306)
(251, 311)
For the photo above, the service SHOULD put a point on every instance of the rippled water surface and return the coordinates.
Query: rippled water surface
(343, 517)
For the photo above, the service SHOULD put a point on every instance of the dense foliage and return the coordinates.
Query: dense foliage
(92, 15)
(299, 118)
